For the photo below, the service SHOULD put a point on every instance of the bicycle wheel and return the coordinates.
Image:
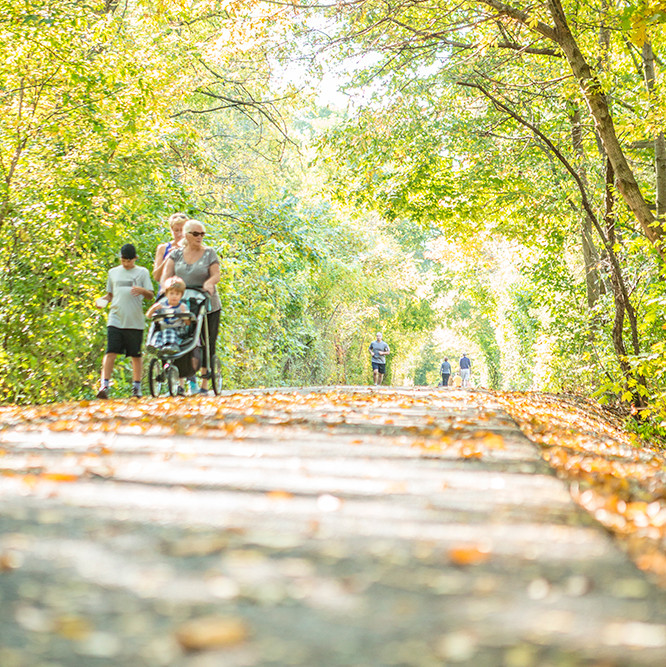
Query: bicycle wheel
(215, 374)
(172, 377)
(155, 376)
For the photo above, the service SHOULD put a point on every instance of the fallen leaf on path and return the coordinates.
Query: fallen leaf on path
(279, 495)
(653, 562)
(196, 545)
(468, 555)
(211, 632)
(470, 452)
(493, 441)
(72, 627)
(10, 560)
(59, 477)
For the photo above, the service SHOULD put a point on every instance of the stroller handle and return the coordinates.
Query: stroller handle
(187, 315)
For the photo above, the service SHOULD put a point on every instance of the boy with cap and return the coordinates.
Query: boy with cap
(126, 287)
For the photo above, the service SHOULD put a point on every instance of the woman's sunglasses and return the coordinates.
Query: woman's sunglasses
(197, 234)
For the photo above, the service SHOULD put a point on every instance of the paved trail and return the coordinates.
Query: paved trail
(321, 528)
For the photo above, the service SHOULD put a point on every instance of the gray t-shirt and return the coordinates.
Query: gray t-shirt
(445, 368)
(195, 275)
(375, 347)
(126, 311)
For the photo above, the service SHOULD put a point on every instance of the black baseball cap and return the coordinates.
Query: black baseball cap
(128, 251)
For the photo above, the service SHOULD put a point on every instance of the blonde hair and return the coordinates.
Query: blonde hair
(176, 218)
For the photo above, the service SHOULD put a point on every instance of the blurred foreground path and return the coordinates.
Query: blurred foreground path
(321, 528)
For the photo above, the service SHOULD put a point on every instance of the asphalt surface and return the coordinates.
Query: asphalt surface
(321, 527)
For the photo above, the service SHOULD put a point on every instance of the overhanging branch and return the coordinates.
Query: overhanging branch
(568, 166)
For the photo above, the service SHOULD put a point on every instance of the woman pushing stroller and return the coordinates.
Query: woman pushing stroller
(198, 266)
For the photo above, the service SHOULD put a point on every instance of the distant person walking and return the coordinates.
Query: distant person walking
(465, 370)
(379, 350)
(445, 371)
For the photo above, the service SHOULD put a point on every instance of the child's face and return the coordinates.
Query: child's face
(128, 263)
(173, 296)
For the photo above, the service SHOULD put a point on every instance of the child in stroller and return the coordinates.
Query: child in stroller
(168, 336)
(171, 365)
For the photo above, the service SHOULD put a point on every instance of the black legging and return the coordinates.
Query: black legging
(213, 329)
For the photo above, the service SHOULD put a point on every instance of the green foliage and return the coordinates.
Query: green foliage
(81, 176)
(427, 369)
(526, 326)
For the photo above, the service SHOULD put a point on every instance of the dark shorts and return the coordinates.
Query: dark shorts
(379, 367)
(124, 341)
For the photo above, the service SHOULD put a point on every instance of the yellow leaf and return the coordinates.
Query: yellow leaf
(211, 632)
(493, 441)
(59, 477)
(468, 555)
(279, 495)
(73, 627)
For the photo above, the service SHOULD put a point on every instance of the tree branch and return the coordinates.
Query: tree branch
(568, 166)
(522, 17)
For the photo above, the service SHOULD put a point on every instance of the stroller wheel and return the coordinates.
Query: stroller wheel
(155, 376)
(172, 380)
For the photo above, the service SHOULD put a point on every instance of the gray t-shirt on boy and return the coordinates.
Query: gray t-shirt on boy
(375, 347)
(195, 275)
(126, 310)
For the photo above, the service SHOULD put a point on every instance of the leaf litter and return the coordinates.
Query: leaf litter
(620, 480)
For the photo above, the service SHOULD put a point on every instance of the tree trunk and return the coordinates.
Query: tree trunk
(659, 142)
(617, 334)
(598, 105)
(622, 302)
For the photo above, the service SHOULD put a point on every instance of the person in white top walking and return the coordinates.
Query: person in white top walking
(126, 287)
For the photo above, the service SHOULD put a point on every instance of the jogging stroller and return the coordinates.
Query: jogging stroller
(168, 365)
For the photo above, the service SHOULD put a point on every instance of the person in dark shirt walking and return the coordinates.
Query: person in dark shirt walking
(465, 370)
(379, 350)
(445, 371)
